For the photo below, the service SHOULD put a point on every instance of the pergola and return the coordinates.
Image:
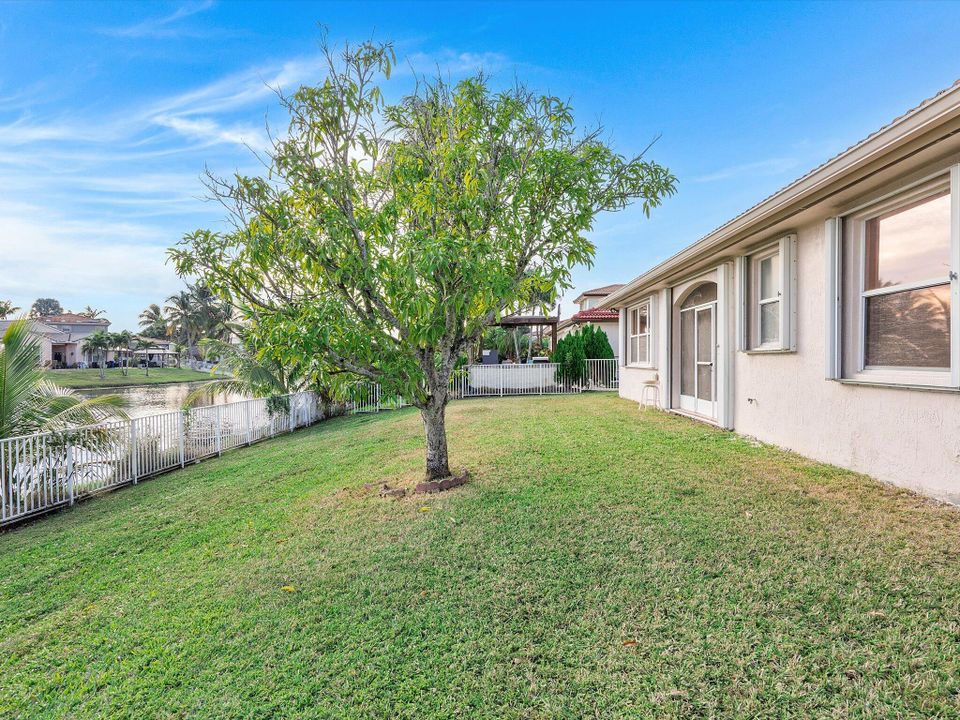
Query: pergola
(520, 320)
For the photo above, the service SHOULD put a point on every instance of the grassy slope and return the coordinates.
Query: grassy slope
(605, 563)
(115, 378)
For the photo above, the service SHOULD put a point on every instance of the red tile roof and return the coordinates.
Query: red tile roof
(595, 315)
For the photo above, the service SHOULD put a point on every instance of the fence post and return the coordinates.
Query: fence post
(70, 486)
(181, 431)
(500, 375)
(290, 414)
(134, 464)
(219, 432)
(246, 407)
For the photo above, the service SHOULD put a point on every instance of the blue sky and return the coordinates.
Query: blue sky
(110, 112)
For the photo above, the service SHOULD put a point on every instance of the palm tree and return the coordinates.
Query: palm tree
(247, 375)
(91, 312)
(7, 308)
(99, 343)
(121, 342)
(184, 320)
(30, 404)
(145, 345)
(153, 322)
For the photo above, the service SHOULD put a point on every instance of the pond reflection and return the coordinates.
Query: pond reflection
(154, 399)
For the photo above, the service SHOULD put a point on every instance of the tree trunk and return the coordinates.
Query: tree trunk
(434, 422)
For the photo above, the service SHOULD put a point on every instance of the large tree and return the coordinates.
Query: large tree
(44, 307)
(387, 236)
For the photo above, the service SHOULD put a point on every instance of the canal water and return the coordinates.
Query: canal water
(155, 399)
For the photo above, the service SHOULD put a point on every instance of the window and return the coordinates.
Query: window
(767, 282)
(906, 285)
(898, 288)
(638, 334)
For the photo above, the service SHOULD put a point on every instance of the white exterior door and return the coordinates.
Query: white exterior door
(698, 343)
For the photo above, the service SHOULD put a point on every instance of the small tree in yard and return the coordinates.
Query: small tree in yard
(596, 344)
(388, 236)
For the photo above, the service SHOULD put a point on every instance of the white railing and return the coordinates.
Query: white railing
(533, 379)
(603, 374)
(45, 471)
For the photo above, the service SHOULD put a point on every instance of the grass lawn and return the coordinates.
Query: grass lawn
(605, 562)
(90, 378)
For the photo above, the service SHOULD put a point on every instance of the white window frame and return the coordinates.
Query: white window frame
(643, 337)
(855, 221)
(749, 302)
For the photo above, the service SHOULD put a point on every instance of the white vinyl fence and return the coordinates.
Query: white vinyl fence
(39, 473)
(535, 379)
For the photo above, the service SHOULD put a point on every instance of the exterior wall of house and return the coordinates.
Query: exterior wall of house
(907, 437)
(633, 380)
(903, 436)
(46, 351)
(611, 329)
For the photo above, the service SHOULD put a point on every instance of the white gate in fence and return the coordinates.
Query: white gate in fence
(39, 473)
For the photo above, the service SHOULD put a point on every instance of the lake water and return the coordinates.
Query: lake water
(155, 399)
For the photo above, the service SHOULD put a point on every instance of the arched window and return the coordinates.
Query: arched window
(705, 293)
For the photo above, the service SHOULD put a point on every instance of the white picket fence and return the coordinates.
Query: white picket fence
(39, 473)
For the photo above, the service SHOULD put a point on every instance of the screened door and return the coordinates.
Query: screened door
(698, 355)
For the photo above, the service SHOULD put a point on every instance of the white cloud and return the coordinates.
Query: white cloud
(22, 132)
(771, 166)
(159, 28)
(89, 202)
(452, 62)
(209, 131)
(46, 254)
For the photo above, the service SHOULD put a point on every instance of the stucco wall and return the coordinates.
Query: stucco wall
(907, 437)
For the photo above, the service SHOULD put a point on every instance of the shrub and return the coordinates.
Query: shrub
(596, 345)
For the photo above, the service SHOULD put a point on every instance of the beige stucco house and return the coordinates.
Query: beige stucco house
(826, 318)
(46, 335)
(74, 329)
(61, 338)
(590, 313)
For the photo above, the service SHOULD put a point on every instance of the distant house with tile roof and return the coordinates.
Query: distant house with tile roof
(74, 329)
(590, 314)
(61, 337)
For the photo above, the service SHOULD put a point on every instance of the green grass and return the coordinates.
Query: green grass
(604, 562)
(115, 378)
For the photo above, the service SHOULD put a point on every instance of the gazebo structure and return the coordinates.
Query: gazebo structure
(532, 317)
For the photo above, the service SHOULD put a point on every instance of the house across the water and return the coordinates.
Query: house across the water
(61, 337)
(826, 318)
